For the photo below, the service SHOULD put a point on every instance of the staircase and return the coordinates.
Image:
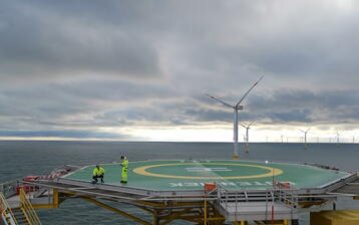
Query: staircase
(24, 215)
(20, 217)
(6, 214)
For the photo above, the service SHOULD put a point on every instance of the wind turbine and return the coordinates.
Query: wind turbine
(338, 137)
(247, 135)
(305, 137)
(236, 108)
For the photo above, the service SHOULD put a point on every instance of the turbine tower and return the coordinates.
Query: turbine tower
(236, 108)
(246, 137)
(338, 138)
(305, 132)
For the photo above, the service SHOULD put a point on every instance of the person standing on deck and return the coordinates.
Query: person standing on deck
(98, 172)
(124, 169)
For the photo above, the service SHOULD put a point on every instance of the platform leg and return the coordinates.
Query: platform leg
(205, 213)
(156, 220)
(55, 198)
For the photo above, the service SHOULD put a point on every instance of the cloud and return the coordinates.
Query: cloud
(68, 65)
(61, 134)
(307, 106)
(83, 103)
(39, 40)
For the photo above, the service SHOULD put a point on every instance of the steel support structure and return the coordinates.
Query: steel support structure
(197, 207)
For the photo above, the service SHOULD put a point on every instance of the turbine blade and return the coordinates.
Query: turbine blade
(221, 101)
(243, 125)
(250, 89)
(251, 123)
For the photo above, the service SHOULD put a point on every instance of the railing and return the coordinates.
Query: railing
(8, 189)
(5, 210)
(288, 197)
(28, 210)
(258, 204)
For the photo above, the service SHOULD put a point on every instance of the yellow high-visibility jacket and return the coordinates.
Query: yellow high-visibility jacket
(98, 172)
(124, 163)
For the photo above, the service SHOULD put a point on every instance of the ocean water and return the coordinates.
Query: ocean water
(22, 158)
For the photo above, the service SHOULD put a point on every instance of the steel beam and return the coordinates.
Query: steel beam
(118, 211)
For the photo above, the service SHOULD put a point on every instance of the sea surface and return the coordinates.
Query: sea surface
(22, 158)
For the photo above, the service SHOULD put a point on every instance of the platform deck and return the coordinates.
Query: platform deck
(232, 175)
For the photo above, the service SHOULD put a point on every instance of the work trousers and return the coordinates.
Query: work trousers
(124, 175)
(98, 176)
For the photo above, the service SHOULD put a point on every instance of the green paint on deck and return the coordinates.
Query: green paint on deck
(190, 175)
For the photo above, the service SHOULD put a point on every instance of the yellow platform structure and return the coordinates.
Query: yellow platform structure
(339, 217)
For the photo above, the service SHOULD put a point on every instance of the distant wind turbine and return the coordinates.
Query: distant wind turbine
(246, 137)
(305, 132)
(338, 137)
(236, 108)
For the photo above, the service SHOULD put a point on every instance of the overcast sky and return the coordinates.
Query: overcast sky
(139, 70)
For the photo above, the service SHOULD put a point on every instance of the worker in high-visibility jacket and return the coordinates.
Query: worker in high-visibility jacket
(124, 169)
(98, 172)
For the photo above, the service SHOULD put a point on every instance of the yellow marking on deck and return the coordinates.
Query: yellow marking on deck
(271, 171)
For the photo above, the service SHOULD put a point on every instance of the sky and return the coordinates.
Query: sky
(140, 70)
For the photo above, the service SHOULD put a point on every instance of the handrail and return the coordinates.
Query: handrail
(286, 196)
(8, 188)
(28, 210)
(4, 207)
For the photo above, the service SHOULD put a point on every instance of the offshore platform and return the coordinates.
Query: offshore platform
(201, 192)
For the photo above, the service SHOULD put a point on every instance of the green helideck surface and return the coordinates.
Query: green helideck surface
(191, 175)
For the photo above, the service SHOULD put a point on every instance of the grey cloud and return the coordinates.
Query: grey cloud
(276, 41)
(77, 61)
(283, 106)
(235, 39)
(296, 115)
(307, 106)
(84, 103)
(39, 41)
(209, 115)
(279, 106)
(61, 134)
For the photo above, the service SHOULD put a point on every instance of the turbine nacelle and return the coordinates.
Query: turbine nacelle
(247, 126)
(240, 107)
(304, 131)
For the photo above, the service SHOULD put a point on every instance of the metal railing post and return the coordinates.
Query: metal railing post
(28, 210)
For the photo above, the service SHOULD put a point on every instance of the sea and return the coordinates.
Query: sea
(22, 158)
